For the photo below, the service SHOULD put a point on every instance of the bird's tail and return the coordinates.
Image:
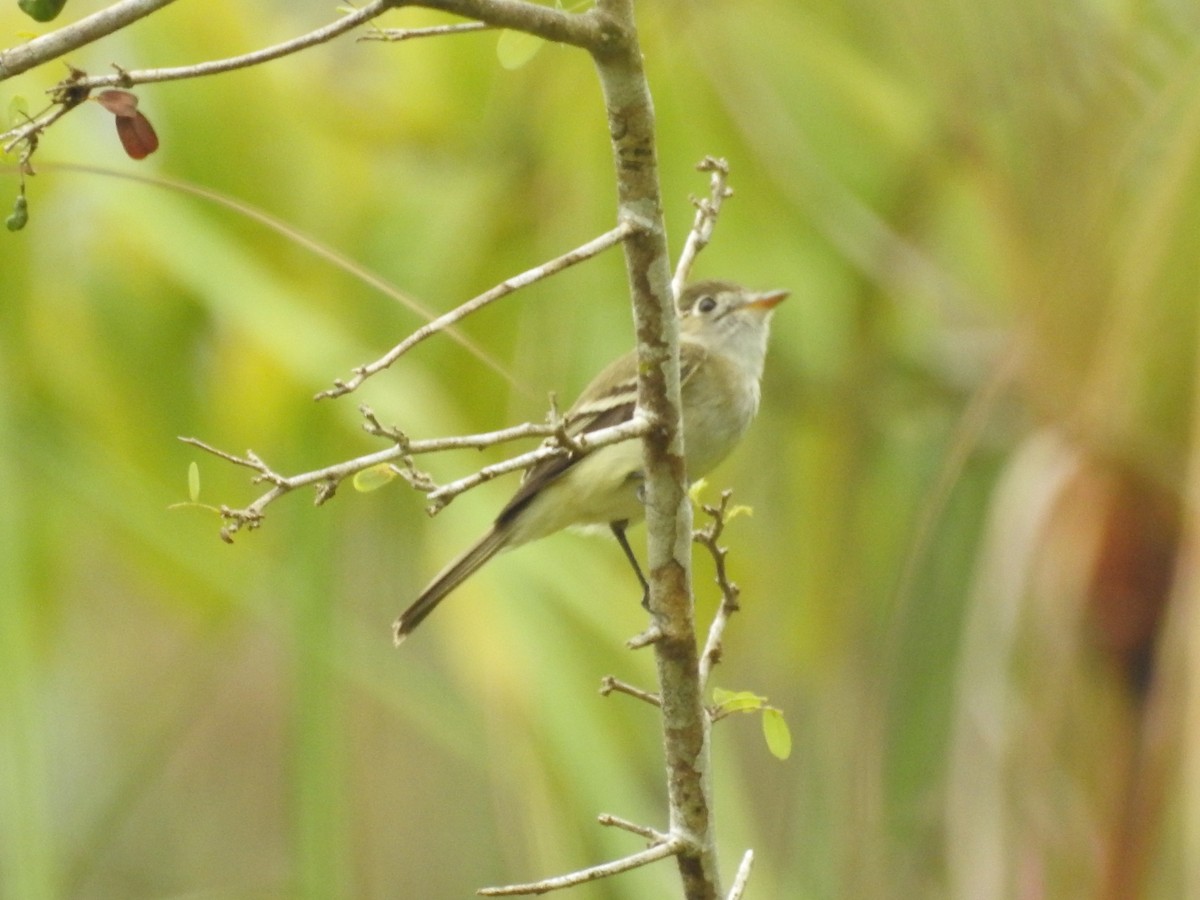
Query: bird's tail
(448, 579)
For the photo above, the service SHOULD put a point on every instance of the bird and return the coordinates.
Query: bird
(723, 330)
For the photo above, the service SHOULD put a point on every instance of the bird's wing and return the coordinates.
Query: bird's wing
(609, 400)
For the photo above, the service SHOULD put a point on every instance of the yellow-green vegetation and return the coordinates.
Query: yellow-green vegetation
(987, 216)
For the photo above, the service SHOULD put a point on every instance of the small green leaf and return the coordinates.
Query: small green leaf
(737, 701)
(42, 10)
(697, 488)
(740, 510)
(19, 216)
(515, 48)
(373, 478)
(193, 481)
(775, 730)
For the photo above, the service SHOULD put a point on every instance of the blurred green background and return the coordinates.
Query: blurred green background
(987, 214)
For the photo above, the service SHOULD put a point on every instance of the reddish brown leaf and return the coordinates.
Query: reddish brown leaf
(119, 103)
(137, 135)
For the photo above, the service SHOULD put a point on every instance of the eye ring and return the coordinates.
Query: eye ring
(706, 304)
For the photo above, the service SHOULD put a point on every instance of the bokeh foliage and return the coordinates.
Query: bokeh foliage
(944, 186)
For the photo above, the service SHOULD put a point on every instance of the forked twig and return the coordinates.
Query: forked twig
(709, 537)
(707, 210)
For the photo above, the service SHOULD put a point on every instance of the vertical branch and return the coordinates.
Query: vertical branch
(668, 513)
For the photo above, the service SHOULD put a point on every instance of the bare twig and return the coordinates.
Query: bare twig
(589, 29)
(29, 131)
(707, 211)
(127, 78)
(742, 878)
(652, 635)
(610, 683)
(671, 847)
(635, 427)
(709, 537)
(74, 89)
(328, 478)
(579, 254)
(91, 28)
(406, 34)
(649, 834)
(455, 442)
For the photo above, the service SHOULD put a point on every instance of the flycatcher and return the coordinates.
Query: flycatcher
(723, 342)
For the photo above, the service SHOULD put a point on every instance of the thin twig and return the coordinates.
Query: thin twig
(327, 479)
(709, 537)
(742, 878)
(579, 254)
(32, 128)
(406, 34)
(74, 89)
(652, 635)
(610, 683)
(91, 28)
(650, 834)
(707, 211)
(127, 78)
(456, 442)
(634, 428)
(604, 870)
(589, 29)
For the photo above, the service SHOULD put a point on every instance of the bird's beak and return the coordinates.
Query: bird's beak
(766, 300)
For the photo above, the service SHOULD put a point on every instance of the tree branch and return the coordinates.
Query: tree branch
(743, 877)
(327, 479)
(127, 78)
(650, 834)
(588, 29)
(91, 28)
(608, 31)
(707, 211)
(584, 443)
(74, 89)
(604, 870)
(685, 722)
(610, 683)
(579, 254)
(395, 35)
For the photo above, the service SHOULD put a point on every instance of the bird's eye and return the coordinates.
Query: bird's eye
(706, 304)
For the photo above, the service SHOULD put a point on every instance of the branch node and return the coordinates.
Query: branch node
(325, 491)
(651, 635)
(123, 78)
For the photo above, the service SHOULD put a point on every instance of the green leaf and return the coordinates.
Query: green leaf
(697, 488)
(515, 48)
(737, 701)
(42, 10)
(193, 481)
(740, 510)
(775, 730)
(19, 216)
(374, 478)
